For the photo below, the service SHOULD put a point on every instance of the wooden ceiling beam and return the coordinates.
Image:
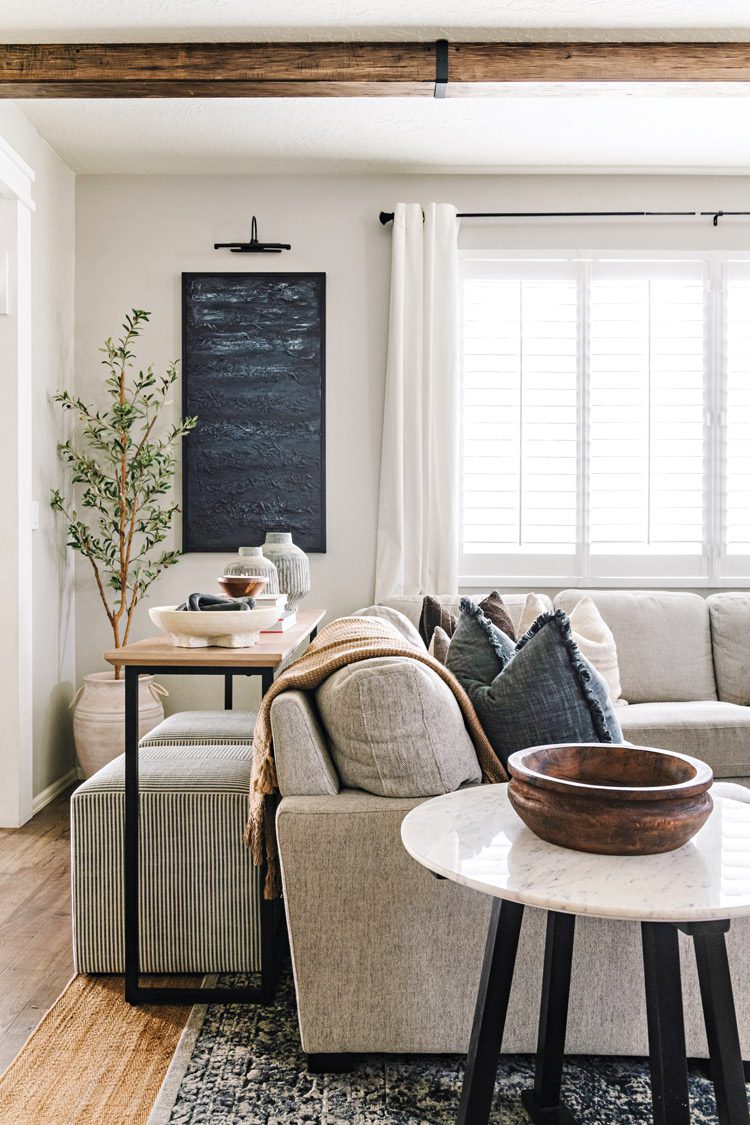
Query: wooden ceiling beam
(253, 70)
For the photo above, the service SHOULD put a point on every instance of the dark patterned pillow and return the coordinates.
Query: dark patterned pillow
(435, 615)
(539, 691)
(493, 607)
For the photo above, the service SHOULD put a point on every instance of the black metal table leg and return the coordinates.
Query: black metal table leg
(666, 1026)
(727, 1071)
(131, 834)
(490, 1012)
(272, 921)
(228, 684)
(543, 1103)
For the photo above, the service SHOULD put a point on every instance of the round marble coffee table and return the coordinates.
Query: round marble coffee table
(474, 837)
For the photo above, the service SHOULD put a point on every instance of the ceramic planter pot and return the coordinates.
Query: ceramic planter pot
(99, 718)
(252, 561)
(292, 564)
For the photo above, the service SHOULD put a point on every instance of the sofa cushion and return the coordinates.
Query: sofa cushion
(544, 691)
(395, 729)
(435, 614)
(398, 620)
(730, 634)
(663, 641)
(717, 733)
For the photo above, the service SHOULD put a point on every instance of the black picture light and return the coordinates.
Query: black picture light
(253, 246)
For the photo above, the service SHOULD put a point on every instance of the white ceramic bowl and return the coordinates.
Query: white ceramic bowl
(201, 629)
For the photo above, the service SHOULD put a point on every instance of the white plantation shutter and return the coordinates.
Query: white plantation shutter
(737, 412)
(647, 387)
(589, 434)
(520, 416)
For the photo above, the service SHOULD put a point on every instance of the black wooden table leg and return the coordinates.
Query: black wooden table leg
(724, 1049)
(543, 1103)
(131, 835)
(666, 1026)
(490, 1012)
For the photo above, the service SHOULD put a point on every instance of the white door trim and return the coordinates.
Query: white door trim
(16, 666)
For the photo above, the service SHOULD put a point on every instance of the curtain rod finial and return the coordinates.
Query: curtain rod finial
(386, 217)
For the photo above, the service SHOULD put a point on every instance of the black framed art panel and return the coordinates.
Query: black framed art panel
(253, 354)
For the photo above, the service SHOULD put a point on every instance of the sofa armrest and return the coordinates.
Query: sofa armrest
(303, 764)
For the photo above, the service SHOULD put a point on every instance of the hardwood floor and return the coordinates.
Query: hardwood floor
(36, 956)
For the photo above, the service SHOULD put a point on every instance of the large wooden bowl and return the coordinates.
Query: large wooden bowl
(610, 799)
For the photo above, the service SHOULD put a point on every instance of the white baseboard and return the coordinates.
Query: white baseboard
(54, 790)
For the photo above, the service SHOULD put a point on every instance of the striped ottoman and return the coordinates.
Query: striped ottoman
(200, 892)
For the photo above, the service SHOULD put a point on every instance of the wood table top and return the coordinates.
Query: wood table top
(271, 650)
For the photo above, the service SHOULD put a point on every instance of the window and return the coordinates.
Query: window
(606, 419)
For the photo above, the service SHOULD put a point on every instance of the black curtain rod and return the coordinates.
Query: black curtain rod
(387, 216)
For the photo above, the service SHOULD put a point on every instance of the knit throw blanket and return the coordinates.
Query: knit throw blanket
(345, 641)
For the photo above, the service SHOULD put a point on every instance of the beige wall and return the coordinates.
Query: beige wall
(135, 235)
(50, 584)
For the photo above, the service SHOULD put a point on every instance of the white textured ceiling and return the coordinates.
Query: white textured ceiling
(685, 130)
(143, 20)
(397, 135)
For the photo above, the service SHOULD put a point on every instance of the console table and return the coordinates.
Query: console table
(158, 656)
(474, 837)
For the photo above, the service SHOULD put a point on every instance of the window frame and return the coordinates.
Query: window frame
(711, 569)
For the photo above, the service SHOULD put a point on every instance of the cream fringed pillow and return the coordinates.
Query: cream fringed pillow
(534, 607)
(439, 644)
(594, 638)
(591, 634)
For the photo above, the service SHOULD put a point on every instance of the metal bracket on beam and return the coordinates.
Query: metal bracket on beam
(441, 68)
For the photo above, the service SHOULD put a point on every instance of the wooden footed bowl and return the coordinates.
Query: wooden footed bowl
(609, 798)
(242, 585)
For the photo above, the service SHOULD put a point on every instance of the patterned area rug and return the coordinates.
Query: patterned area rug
(245, 1064)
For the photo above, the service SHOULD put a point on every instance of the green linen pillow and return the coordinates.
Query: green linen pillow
(539, 691)
(479, 650)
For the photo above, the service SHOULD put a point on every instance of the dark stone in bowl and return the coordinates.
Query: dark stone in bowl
(611, 799)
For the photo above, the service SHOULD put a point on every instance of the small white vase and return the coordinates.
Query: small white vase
(250, 561)
(99, 719)
(292, 564)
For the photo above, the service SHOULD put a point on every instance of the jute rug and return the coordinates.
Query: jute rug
(244, 1064)
(93, 1060)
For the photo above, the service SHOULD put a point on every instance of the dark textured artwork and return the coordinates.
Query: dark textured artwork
(254, 373)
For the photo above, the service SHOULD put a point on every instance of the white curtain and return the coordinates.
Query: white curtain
(418, 532)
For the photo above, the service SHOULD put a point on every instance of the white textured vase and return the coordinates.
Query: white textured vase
(251, 562)
(99, 719)
(292, 564)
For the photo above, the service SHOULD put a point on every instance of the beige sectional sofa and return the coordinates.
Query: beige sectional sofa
(387, 958)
